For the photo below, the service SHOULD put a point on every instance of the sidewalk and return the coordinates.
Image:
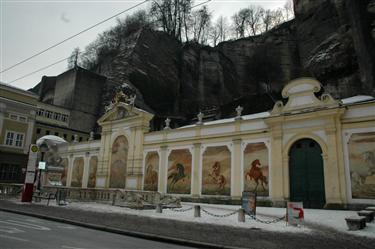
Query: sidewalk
(322, 229)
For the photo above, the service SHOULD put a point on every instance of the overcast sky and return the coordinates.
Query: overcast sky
(29, 26)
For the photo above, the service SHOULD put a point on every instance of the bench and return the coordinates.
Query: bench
(44, 195)
(369, 215)
(356, 222)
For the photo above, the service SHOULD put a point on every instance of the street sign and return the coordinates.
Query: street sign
(295, 214)
(33, 154)
(42, 165)
(249, 202)
(34, 148)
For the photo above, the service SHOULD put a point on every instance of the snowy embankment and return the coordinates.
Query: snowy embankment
(332, 219)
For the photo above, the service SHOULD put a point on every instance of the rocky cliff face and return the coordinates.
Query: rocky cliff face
(331, 40)
(336, 45)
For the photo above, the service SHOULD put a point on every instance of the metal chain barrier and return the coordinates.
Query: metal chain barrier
(253, 217)
(218, 215)
(179, 210)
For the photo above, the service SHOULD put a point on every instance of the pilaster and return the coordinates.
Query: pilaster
(331, 173)
(163, 170)
(70, 171)
(236, 169)
(195, 189)
(279, 171)
(86, 170)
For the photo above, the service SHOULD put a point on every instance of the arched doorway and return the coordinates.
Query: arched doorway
(306, 174)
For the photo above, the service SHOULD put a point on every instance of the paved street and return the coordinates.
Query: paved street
(18, 231)
(218, 235)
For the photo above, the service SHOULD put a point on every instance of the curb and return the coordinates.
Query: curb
(141, 235)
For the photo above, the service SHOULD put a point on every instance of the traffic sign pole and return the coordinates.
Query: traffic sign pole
(27, 194)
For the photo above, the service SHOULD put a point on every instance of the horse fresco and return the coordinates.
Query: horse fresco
(179, 172)
(217, 177)
(216, 170)
(151, 171)
(256, 175)
(176, 175)
(256, 168)
(151, 179)
(362, 165)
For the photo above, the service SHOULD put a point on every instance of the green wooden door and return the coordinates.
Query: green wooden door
(306, 175)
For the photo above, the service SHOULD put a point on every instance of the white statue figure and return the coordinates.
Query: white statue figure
(200, 118)
(239, 110)
(132, 100)
(91, 138)
(75, 138)
(167, 124)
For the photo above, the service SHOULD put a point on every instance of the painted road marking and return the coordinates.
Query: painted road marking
(26, 225)
(66, 227)
(71, 247)
(11, 230)
(13, 238)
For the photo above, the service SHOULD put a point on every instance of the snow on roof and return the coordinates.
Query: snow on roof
(356, 99)
(228, 120)
(256, 115)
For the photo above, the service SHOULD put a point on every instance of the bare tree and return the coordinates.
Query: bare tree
(288, 9)
(74, 58)
(172, 15)
(200, 24)
(223, 28)
(240, 20)
(267, 19)
(254, 19)
(278, 17)
(218, 31)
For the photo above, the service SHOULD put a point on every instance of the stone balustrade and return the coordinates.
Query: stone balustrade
(119, 197)
(8, 190)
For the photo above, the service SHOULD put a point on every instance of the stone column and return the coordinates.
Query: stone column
(70, 170)
(236, 173)
(195, 174)
(102, 174)
(86, 170)
(331, 171)
(279, 168)
(341, 162)
(163, 169)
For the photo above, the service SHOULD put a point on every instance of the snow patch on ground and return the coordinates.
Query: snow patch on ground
(188, 216)
(332, 219)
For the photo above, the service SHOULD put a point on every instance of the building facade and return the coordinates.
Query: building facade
(17, 126)
(55, 120)
(317, 150)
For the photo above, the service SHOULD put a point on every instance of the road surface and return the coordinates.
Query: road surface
(24, 232)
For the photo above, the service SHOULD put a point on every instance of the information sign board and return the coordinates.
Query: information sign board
(249, 202)
(295, 214)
